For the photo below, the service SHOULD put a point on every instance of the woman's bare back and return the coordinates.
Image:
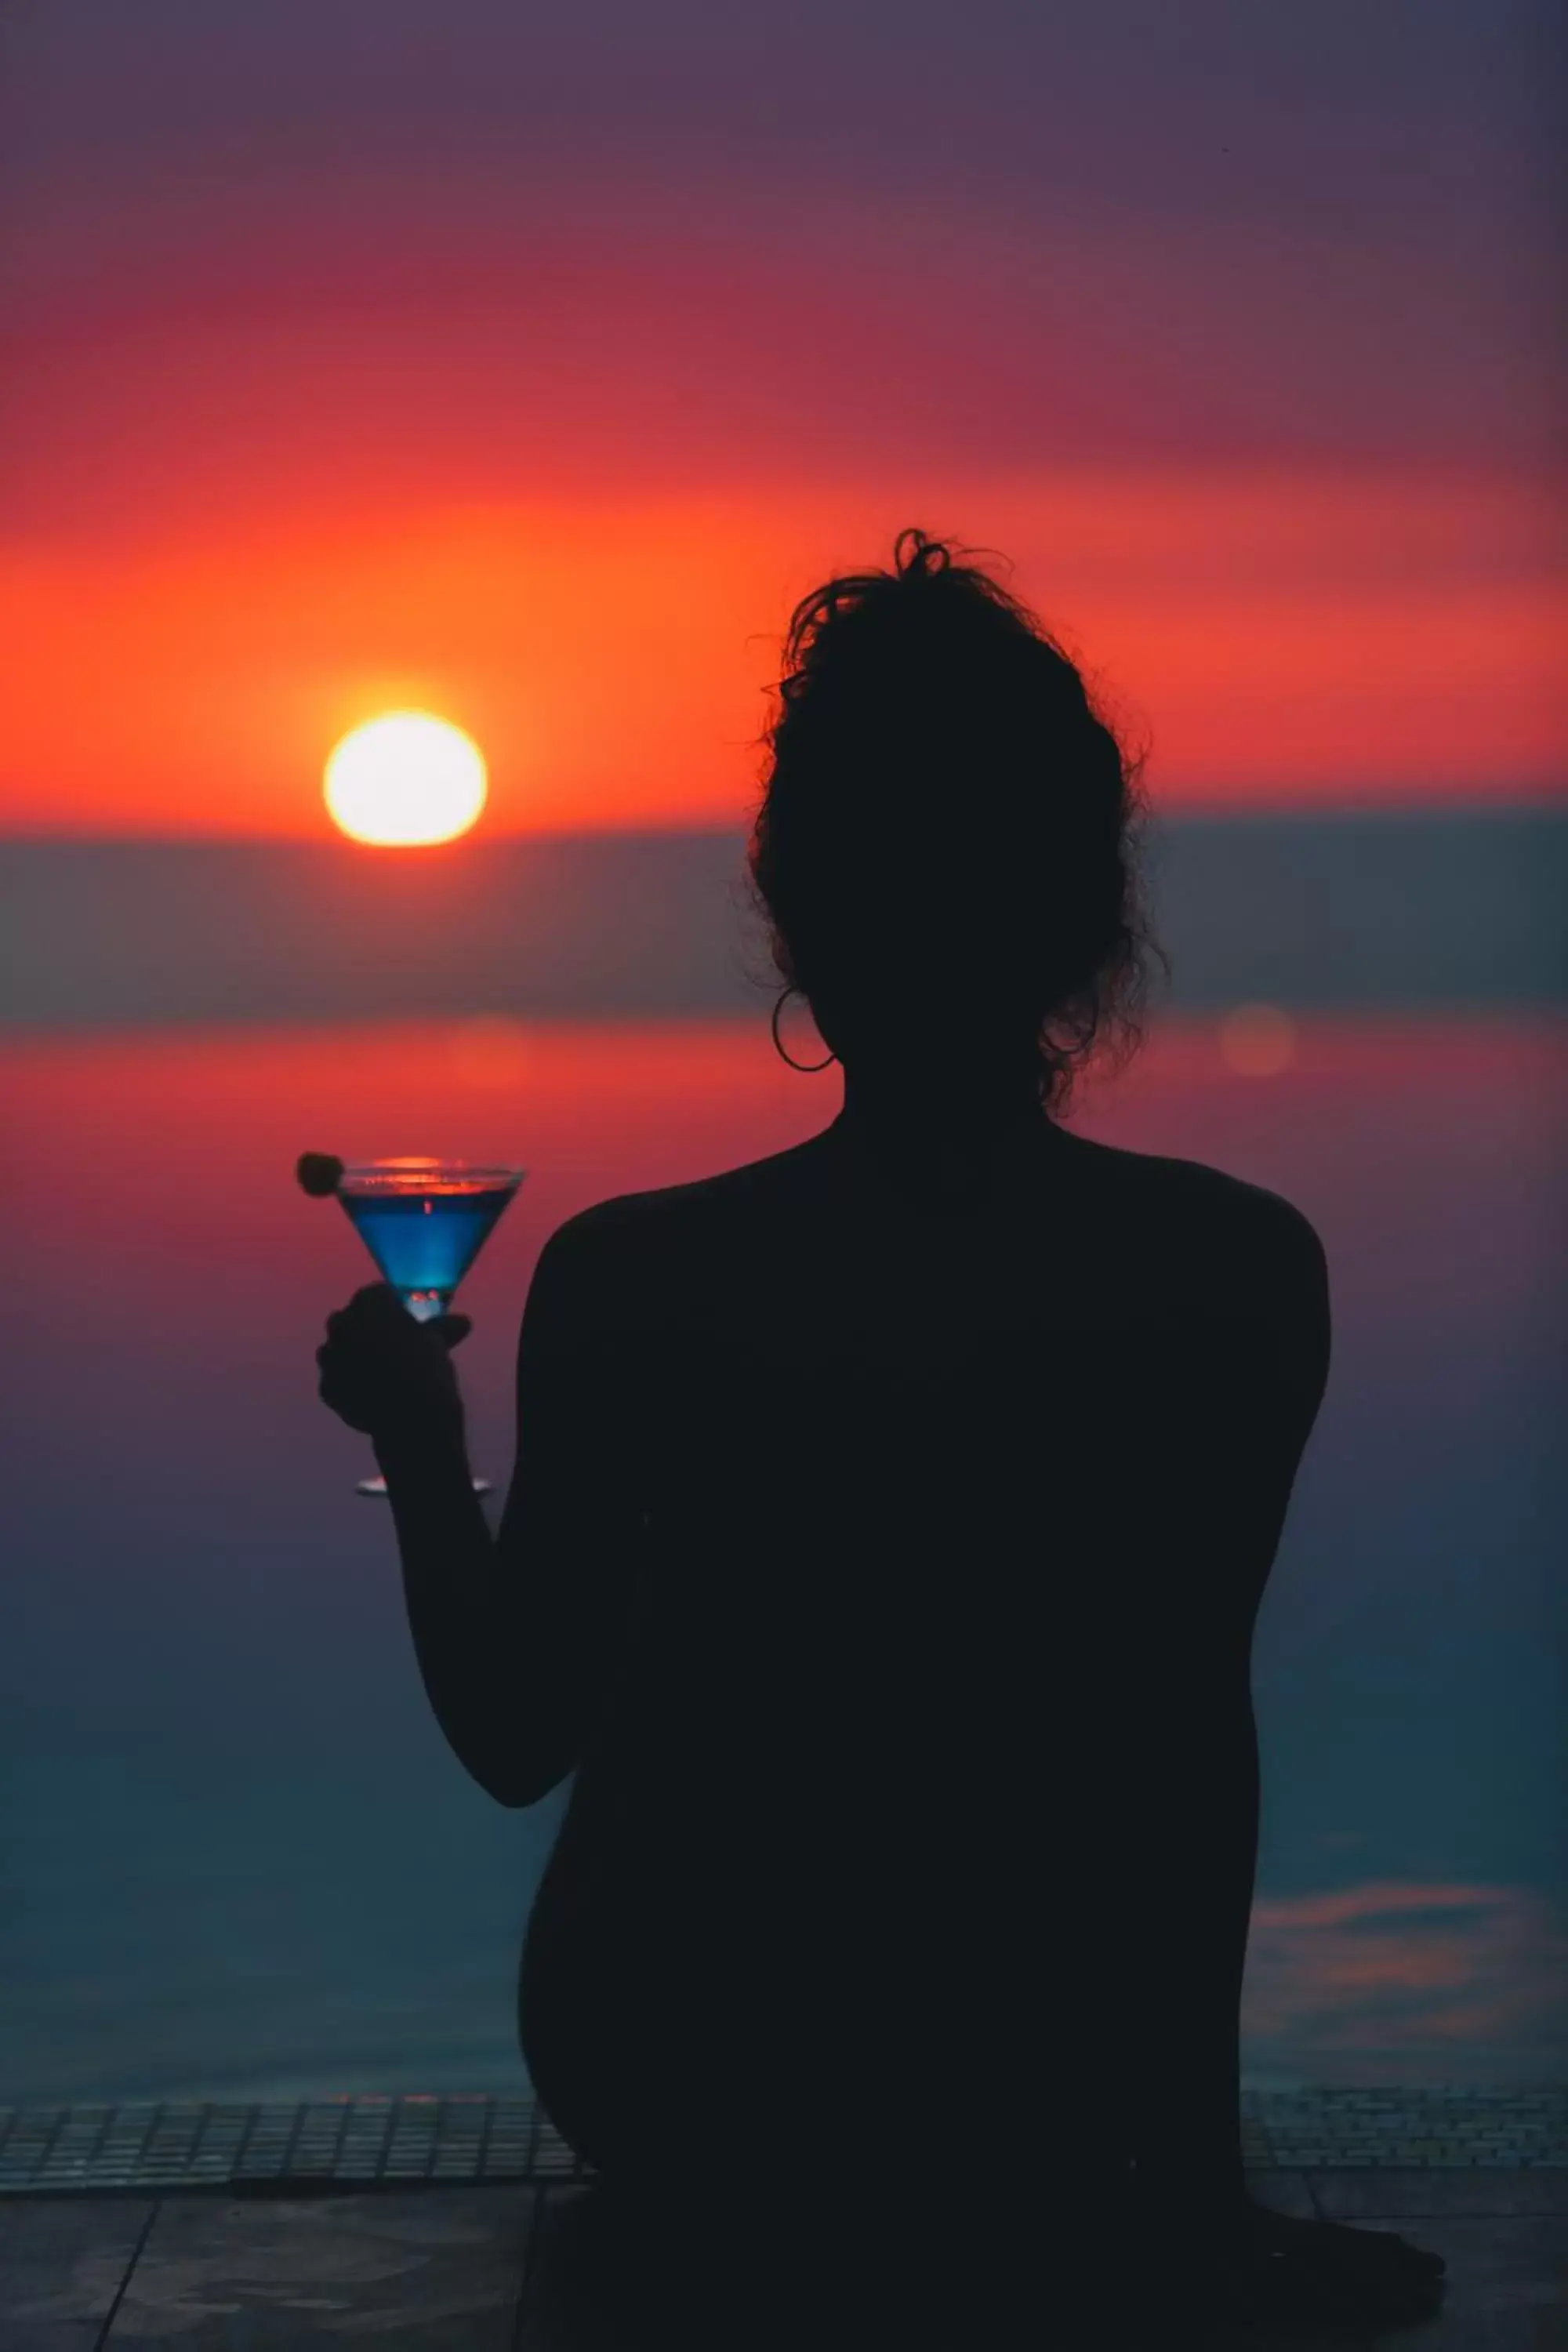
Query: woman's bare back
(955, 1502)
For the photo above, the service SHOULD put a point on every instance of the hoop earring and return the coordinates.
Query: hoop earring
(778, 1041)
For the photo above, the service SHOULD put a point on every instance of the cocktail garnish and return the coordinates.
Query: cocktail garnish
(320, 1173)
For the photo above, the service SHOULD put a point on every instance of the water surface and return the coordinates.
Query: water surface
(238, 1859)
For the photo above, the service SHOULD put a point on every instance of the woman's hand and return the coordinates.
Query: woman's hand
(383, 1373)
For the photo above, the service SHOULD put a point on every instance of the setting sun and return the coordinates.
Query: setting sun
(404, 780)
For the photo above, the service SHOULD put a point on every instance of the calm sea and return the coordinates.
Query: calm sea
(237, 1858)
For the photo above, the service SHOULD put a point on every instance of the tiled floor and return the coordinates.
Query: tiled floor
(351, 2142)
(501, 2268)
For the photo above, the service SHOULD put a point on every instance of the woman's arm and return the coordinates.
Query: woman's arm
(448, 1559)
(516, 1633)
(1256, 1403)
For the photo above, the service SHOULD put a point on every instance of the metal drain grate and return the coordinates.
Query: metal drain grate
(357, 2142)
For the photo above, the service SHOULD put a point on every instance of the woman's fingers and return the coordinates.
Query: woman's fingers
(377, 1363)
(376, 1307)
(379, 1310)
(377, 1302)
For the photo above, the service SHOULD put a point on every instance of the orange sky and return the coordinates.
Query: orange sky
(1278, 637)
(529, 366)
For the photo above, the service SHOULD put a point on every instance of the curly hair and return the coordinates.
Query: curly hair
(941, 792)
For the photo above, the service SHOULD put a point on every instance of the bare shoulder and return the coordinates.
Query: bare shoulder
(1228, 1227)
(631, 1229)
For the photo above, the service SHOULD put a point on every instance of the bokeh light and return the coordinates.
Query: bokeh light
(1257, 1041)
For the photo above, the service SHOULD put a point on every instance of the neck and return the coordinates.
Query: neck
(958, 1115)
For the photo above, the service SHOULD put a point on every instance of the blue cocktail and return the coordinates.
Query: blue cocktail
(424, 1221)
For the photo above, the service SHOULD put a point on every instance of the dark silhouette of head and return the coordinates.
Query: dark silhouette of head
(945, 850)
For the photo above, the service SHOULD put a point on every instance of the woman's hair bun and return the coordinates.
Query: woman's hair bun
(916, 557)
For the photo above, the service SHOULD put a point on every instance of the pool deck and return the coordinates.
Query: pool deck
(455, 2226)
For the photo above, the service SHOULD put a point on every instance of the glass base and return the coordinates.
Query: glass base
(378, 1486)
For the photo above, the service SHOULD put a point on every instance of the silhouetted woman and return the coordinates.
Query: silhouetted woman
(889, 1524)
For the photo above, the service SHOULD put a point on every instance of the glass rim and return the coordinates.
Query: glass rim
(410, 1175)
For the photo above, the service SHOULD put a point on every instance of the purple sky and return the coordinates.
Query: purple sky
(1131, 228)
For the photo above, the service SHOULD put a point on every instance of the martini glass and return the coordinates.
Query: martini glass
(424, 1221)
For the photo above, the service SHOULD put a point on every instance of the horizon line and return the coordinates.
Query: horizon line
(1546, 800)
